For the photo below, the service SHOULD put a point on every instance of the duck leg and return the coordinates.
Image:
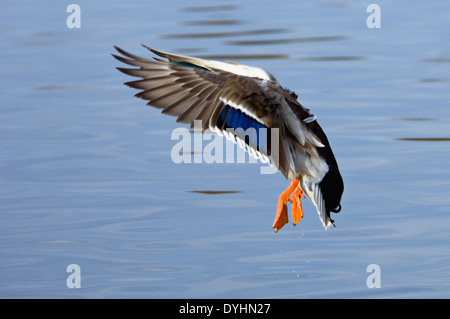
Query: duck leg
(281, 218)
(297, 210)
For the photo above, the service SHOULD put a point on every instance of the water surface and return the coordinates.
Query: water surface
(86, 175)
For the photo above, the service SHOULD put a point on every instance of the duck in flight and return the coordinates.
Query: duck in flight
(228, 96)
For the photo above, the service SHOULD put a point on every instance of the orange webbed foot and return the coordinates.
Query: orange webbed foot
(281, 217)
(297, 210)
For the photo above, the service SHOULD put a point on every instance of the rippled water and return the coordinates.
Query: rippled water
(86, 175)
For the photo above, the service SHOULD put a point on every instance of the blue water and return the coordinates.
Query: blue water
(86, 175)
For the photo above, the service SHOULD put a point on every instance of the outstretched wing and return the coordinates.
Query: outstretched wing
(225, 97)
(186, 92)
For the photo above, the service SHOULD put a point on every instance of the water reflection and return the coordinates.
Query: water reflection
(431, 80)
(212, 22)
(52, 87)
(416, 119)
(212, 8)
(424, 139)
(289, 40)
(333, 58)
(437, 60)
(215, 192)
(223, 34)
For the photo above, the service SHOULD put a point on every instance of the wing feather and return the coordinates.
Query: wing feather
(196, 89)
(315, 195)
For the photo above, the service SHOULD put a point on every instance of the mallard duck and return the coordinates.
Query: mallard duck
(226, 96)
